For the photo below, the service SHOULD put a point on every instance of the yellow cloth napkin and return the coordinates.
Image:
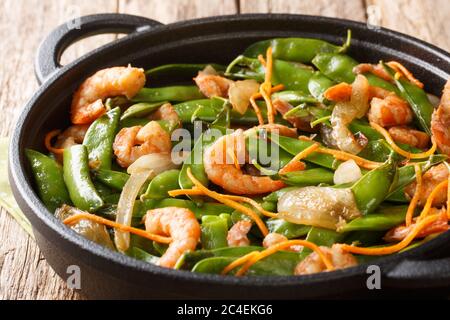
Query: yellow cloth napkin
(7, 200)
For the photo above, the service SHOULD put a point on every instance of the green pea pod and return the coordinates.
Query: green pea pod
(294, 97)
(288, 229)
(295, 146)
(407, 174)
(259, 150)
(274, 196)
(417, 99)
(372, 188)
(195, 161)
(172, 93)
(295, 49)
(323, 237)
(100, 137)
(281, 263)
(365, 238)
(113, 198)
(362, 126)
(142, 109)
(269, 206)
(142, 255)
(292, 75)
(339, 67)
(177, 70)
(318, 84)
(382, 220)
(132, 122)
(214, 232)
(162, 184)
(377, 150)
(190, 258)
(113, 179)
(102, 189)
(310, 177)
(49, 179)
(76, 176)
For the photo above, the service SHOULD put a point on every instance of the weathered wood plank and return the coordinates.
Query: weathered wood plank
(424, 19)
(24, 274)
(176, 10)
(349, 9)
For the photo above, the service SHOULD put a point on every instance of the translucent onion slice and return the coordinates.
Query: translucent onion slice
(240, 93)
(323, 207)
(156, 162)
(347, 172)
(125, 207)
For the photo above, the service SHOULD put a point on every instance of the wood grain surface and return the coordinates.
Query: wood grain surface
(24, 273)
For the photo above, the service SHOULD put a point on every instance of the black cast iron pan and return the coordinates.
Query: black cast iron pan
(107, 274)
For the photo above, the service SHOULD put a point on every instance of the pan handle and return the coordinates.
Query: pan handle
(52, 48)
(420, 273)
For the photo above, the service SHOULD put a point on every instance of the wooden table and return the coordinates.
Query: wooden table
(24, 273)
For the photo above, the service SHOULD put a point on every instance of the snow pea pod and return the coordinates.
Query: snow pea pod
(295, 146)
(274, 196)
(79, 184)
(376, 150)
(292, 75)
(318, 84)
(100, 137)
(113, 179)
(177, 70)
(295, 49)
(172, 93)
(281, 263)
(407, 174)
(142, 109)
(323, 237)
(310, 177)
(140, 254)
(373, 187)
(49, 179)
(362, 126)
(288, 229)
(339, 67)
(294, 97)
(161, 184)
(384, 219)
(214, 230)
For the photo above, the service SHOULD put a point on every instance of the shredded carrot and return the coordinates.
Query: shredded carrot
(258, 95)
(239, 262)
(431, 198)
(228, 202)
(266, 88)
(232, 154)
(87, 216)
(399, 68)
(196, 192)
(262, 60)
(341, 155)
(301, 155)
(283, 245)
(398, 246)
(399, 150)
(48, 142)
(415, 199)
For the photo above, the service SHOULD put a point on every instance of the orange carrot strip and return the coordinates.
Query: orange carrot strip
(415, 199)
(239, 261)
(48, 142)
(341, 155)
(397, 66)
(87, 216)
(301, 155)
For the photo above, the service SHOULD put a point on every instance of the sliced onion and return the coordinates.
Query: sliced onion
(240, 93)
(347, 171)
(323, 207)
(156, 162)
(435, 101)
(125, 207)
(360, 96)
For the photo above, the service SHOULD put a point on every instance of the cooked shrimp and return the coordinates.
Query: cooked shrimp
(314, 264)
(132, 143)
(430, 180)
(414, 138)
(71, 136)
(397, 234)
(178, 223)
(87, 102)
(302, 123)
(345, 112)
(376, 69)
(237, 235)
(220, 159)
(212, 85)
(440, 122)
(167, 112)
(390, 111)
(274, 238)
(386, 108)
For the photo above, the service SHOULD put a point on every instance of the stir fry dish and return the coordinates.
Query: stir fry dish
(294, 159)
